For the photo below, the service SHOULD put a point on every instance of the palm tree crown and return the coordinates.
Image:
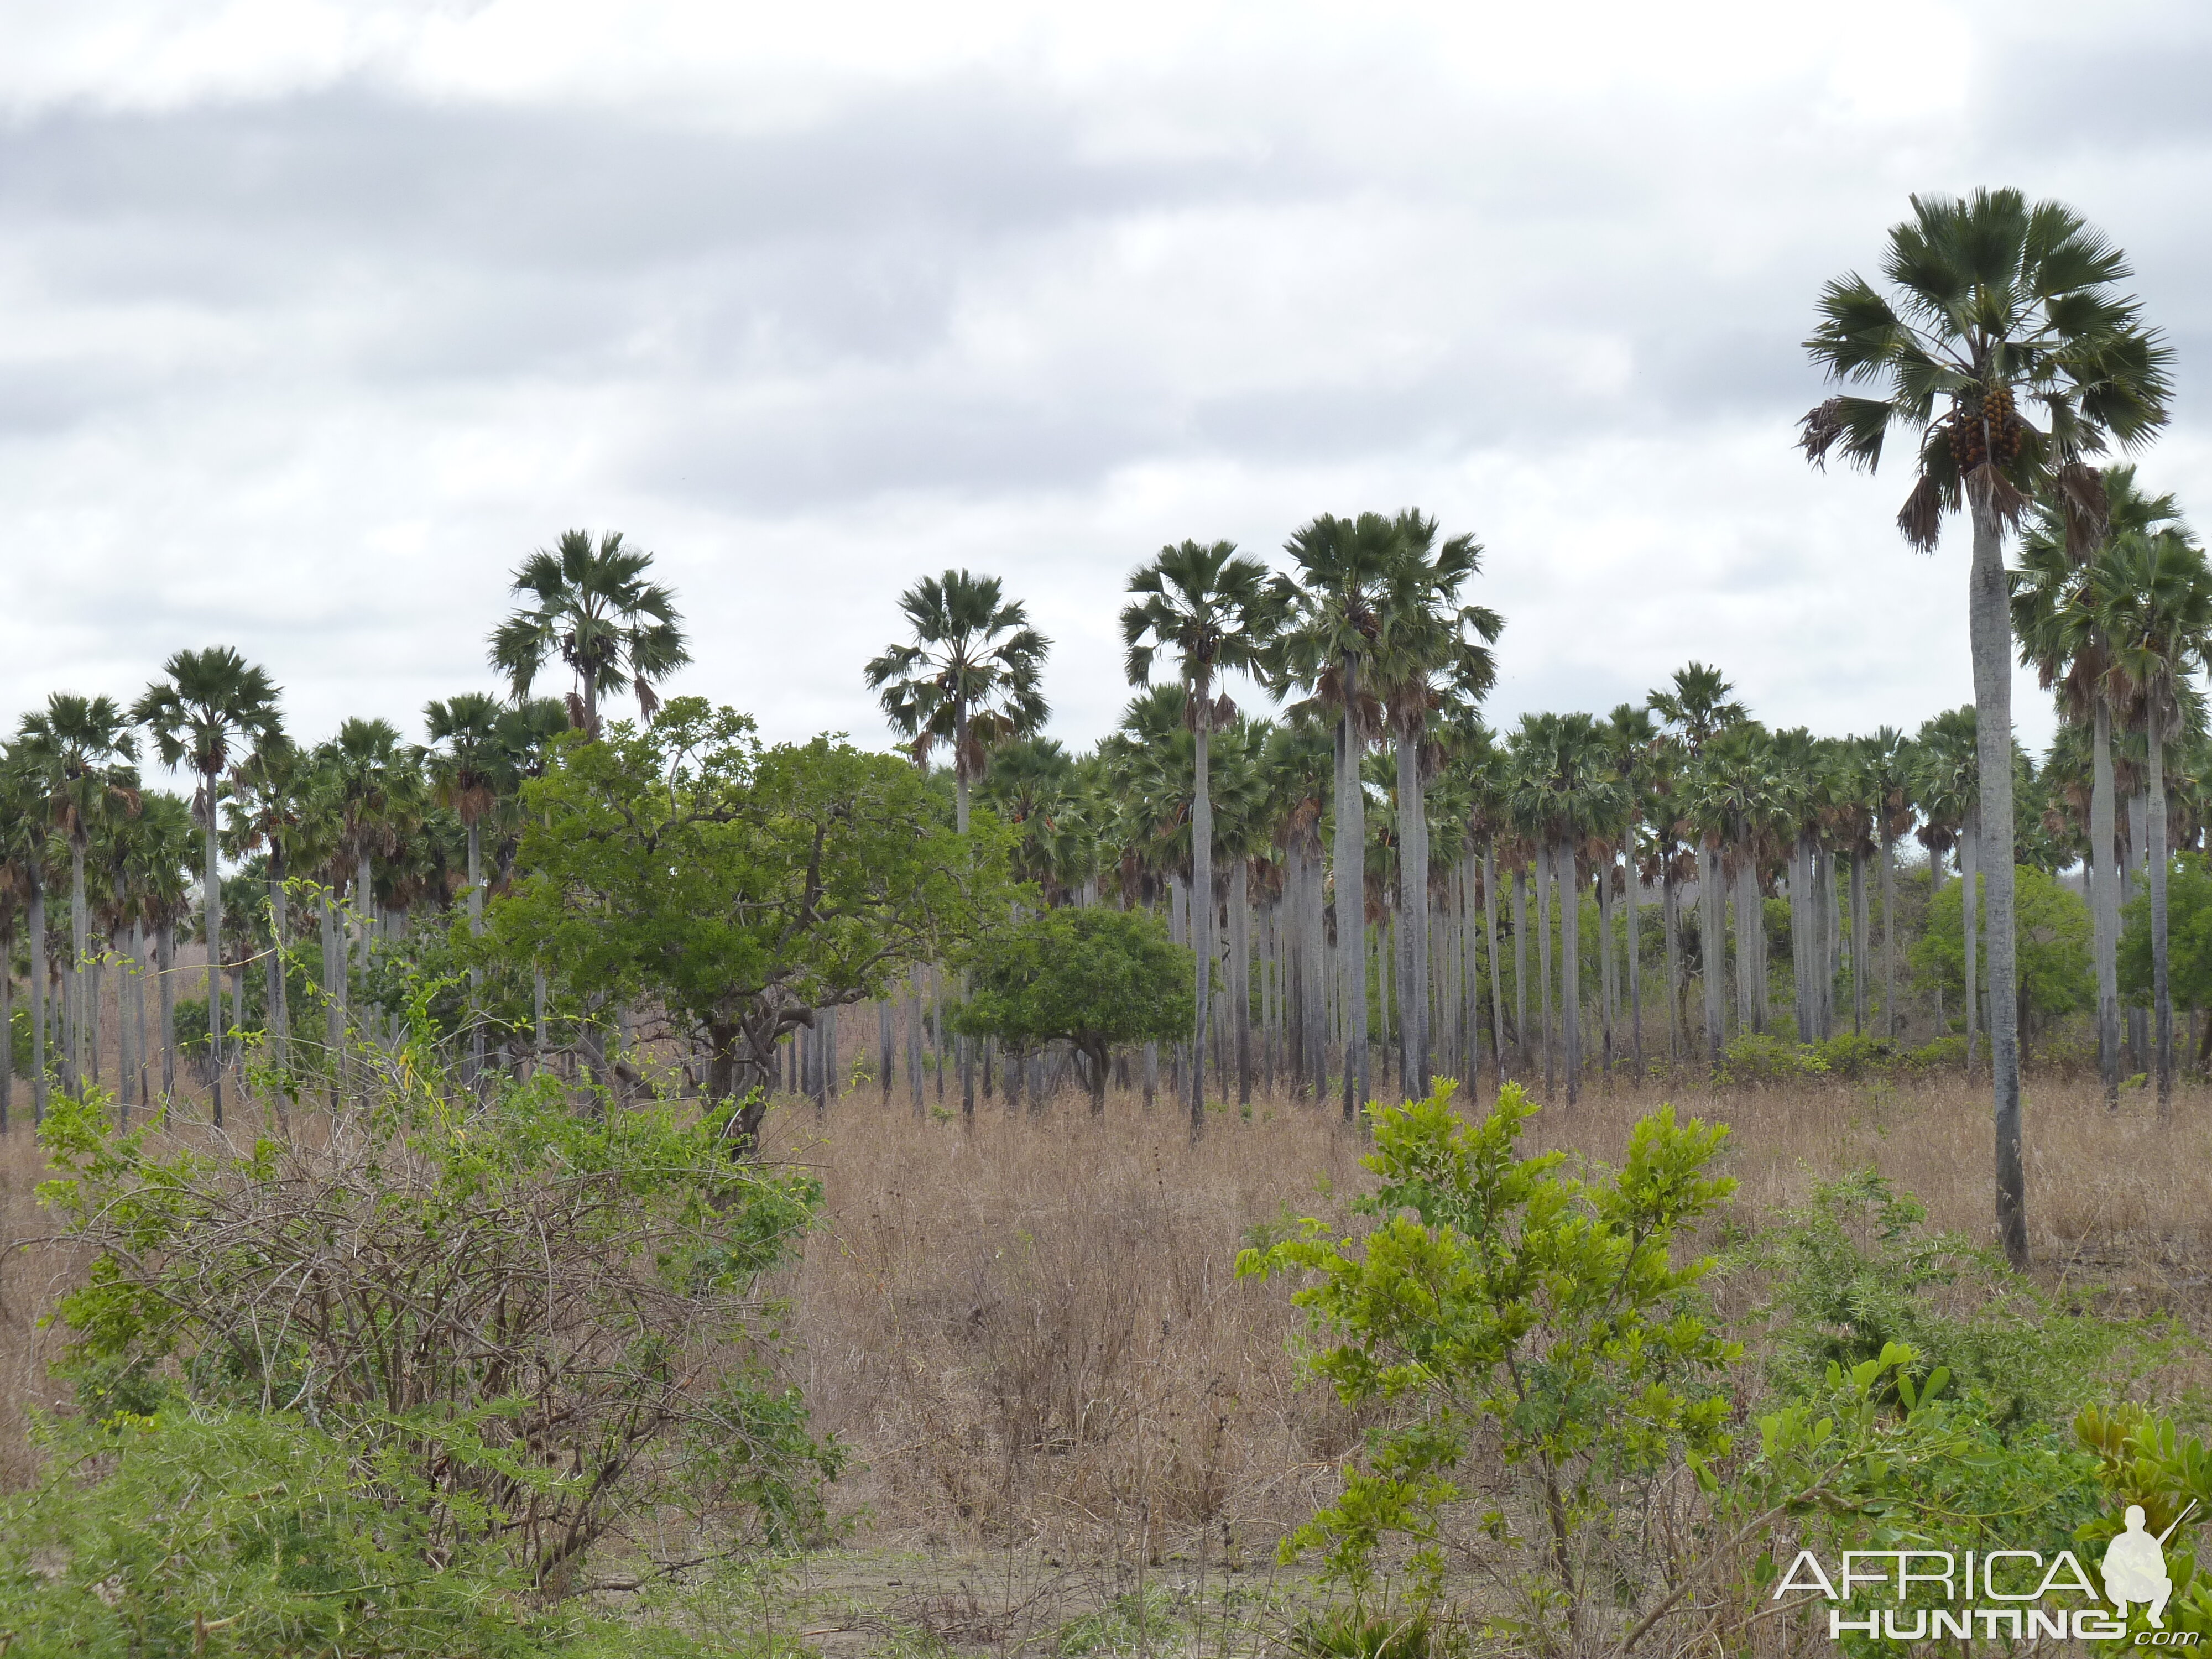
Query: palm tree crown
(1993, 303)
(593, 608)
(971, 677)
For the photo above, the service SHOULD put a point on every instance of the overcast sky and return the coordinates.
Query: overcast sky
(315, 318)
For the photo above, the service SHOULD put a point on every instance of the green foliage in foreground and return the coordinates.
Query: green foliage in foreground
(392, 1386)
(1498, 1290)
(1095, 977)
(1855, 1273)
(157, 1530)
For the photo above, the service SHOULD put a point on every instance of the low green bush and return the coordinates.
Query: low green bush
(1757, 1058)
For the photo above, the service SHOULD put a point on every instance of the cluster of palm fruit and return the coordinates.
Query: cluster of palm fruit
(1983, 422)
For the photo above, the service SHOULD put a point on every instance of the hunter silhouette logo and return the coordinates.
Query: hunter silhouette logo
(2134, 1566)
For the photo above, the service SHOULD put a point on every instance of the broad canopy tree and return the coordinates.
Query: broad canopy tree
(742, 887)
(1091, 978)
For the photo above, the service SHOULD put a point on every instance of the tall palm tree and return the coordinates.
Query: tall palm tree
(26, 833)
(1203, 604)
(1630, 736)
(2059, 598)
(591, 606)
(971, 677)
(1697, 706)
(82, 749)
(1431, 648)
(209, 702)
(1992, 303)
(1327, 627)
(2158, 622)
(273, 811)
(465, 759)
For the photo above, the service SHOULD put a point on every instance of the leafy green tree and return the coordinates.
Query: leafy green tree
(1994, 303)
(2057, 974)
(1496, 1296)
(744, 888)
(2189, 942)
(1202, 603)
(591, 606)
(1091, 978)
(210, 702)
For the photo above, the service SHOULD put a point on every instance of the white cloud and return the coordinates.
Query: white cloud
(313, 318)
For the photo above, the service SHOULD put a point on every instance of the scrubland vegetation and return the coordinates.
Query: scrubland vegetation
(1353, 1183)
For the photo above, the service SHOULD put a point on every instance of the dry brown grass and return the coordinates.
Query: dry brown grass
(1030, 1334)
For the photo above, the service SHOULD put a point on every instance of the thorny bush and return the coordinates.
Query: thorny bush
(548, 1318)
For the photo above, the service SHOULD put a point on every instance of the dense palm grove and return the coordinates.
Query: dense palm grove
(1573, 893)
(543, 974)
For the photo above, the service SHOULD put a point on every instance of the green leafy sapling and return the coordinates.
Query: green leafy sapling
(1499, 1291)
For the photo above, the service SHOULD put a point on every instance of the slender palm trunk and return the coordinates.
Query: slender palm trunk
(1608, 979)
(1747, 936)
(1634, 880)
(76, 1045)
(2104, 906)
(1315, 972)
(1670, 943)
(211, 912)
(38, 886)
(476, 928)
(1240, 973)
(165, 958)
(1861, 945)
(280, 1019)
(1490, 943)
(2132, 883)
(1970, 919)
(1521, 969)
(1544, 884)
(1989, 628)
(1888, 938)
(1413, 911)
(1351, 895)
(1201, 909)
(1712, 952)
(1570, 977)
(2161, 988)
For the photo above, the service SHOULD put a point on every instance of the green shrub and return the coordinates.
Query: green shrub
(148, 1532)
(1754, 1058)
(635, 1376)
(1945, 1054)
(1497, 1296)
(1358, 1631)
(1853, 1055)
(1856, 1273)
